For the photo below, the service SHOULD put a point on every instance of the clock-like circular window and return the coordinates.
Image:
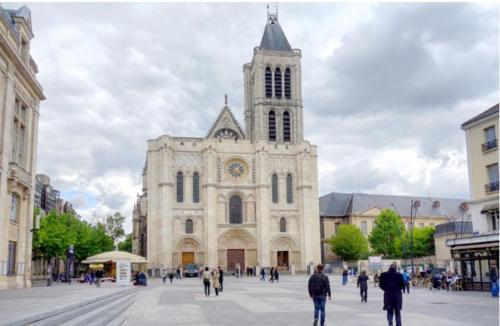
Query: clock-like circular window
(237, 169)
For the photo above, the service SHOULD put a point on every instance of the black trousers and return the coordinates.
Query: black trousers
(406, 288)
(207, 288)
(390, 316)
(221, 286)
(216, 291)
(363, 293)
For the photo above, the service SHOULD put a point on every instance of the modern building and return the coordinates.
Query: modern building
(20, 96)
(362, 210)
(239, 196)
(46, 197)
(474, 254)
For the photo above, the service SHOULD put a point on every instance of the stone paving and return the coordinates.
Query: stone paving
(247, 301)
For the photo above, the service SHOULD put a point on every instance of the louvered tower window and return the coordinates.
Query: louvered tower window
(180, 187)
(288, 83)
(277, 83)
(196, 187)
(282, 224)
(269, 82)
(274, 186)
(272, 126)
(287, 135)
(289, 189)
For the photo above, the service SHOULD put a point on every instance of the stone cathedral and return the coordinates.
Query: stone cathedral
(238, 196)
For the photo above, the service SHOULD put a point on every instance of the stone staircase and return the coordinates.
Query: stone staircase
(100, 311)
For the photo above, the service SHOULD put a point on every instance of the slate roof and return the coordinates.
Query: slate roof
(274, 38)
(344, 204)
(9, 14)
(491, 111)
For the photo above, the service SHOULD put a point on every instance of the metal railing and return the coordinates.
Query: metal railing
(491, 187)
(489, 145)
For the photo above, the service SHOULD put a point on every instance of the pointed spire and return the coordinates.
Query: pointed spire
(274, 38)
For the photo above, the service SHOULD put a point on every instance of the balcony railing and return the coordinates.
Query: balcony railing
(489, 145)
(491, 187)
(18, 172)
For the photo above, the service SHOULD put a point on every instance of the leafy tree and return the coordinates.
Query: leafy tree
(423, 242)
(113, 226)
(126, 245)
(349, 243)
(387, 230)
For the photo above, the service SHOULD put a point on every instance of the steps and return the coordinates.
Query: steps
(99, 311)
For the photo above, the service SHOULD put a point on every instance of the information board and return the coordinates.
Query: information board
(123, 272)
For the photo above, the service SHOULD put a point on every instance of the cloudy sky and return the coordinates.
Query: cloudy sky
(385, 89)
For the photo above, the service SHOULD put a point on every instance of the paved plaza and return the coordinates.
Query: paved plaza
(246, 301)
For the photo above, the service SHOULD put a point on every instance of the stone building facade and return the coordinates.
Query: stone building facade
(20, 96)
(237, 197)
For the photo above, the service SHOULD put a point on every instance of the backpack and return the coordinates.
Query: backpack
(317, 284)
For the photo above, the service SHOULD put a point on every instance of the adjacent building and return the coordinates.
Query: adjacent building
(239, 196)
(362, 210)
(20, 95)
(474, 254)
(46, 197)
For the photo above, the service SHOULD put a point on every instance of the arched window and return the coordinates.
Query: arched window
(269, 82)
(272, 126)
(235, 210)
(274, 186)
(289, 189)
(189, 226)
(288, 83)
(277, 83)
(180, 187)
(282, 224)
(287, 134)
(196, 187)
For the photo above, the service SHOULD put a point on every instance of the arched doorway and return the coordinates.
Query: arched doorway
(237, 247)
(187, 250)
(284, 252)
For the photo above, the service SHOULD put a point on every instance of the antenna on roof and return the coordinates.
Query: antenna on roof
(276, 10)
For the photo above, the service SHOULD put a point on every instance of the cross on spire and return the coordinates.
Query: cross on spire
(225, 99)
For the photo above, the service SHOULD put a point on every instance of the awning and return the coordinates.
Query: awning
(476, 246)
(490, 207)
(113, 256)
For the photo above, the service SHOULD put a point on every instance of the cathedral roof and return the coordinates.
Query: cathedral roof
(226, 126)
(274, 38)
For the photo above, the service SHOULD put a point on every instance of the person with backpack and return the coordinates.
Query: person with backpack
(363, 286)
(206, 281)
(406, 280)
(319, 289)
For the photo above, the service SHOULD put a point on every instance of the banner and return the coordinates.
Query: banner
(123, 272)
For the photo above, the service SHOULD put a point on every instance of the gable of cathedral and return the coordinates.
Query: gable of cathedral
(226, 126)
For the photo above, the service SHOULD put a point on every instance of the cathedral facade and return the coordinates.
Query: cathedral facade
(237, 197)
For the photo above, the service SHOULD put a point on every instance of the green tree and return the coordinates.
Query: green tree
(113, 226)
(126, 245)
(387, 230)
(423, 242)
(349, 243)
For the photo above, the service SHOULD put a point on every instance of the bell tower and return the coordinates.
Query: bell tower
(273, 89)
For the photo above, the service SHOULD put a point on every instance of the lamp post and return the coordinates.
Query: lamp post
(403, 243)
(415, 204)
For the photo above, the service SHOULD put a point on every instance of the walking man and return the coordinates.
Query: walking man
(344, 277)
(391, 282)
(319, 288)
(494, 280)
(363, 286)
(262, 275)
(206, 281)
(98, 275)
(221, 278)
(406, 279)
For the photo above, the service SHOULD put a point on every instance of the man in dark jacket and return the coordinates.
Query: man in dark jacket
(494, 280)
(363, 286)
(221, 278)
(319, 288)
(391, 282)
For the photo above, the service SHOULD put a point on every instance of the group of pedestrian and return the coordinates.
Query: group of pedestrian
(214, 278)
(274, 275)
(93, 277)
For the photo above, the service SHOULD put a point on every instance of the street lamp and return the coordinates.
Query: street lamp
(403, 243)
(415, 204)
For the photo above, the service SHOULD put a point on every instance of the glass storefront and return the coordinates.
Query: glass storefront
(474, 265)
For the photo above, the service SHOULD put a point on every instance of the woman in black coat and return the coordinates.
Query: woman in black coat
(363, 286)
(391, 282)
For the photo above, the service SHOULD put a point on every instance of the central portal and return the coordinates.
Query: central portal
(283, 259)
(235, 257)
(187, 258)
